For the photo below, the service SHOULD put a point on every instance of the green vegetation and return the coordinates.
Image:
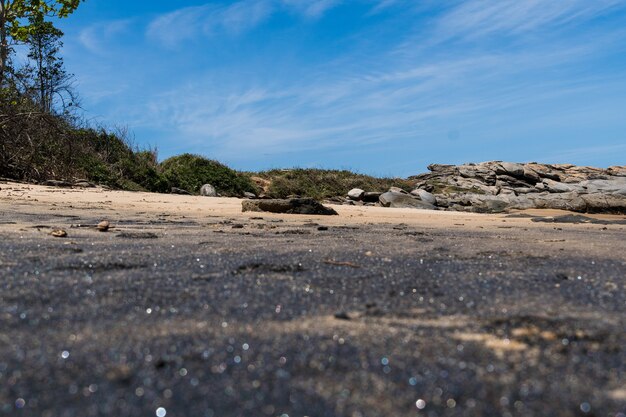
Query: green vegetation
(321, 183)
(190, 172)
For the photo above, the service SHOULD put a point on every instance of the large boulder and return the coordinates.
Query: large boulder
(399, 200)
(371, 197)
(571, 201)
(207, 190)
(509, 168)
(559, 187)
(604, 186)
(356, 194)
(604, 203)
(288, 206)
(425, 196)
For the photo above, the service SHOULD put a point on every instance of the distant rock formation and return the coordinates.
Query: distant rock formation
(492, 187)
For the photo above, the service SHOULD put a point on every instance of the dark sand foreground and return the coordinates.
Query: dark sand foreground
(188, 307)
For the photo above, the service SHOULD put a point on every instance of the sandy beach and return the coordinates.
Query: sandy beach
(188, 305)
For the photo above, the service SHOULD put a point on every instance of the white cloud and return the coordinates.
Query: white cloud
(236, 18)
(312, 8)
(191, 22)
(95, 37)
(477, 18)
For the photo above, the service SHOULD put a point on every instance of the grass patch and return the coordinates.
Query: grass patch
(321, 183)
(191, 172)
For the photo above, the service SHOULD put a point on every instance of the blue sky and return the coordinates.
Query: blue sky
(383, 87)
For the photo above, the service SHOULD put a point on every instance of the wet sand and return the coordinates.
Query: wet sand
(188, 306)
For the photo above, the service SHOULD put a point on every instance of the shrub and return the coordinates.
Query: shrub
(190, 172)
(321, 183)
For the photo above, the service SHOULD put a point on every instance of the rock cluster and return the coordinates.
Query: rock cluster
(395, 198)
(492, 187)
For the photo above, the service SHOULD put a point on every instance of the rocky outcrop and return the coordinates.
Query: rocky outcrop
(493, 187)
(500, 186)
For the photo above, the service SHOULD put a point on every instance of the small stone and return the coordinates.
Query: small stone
(342, 315)
(103, 226)
(249, 195)
(59, 233)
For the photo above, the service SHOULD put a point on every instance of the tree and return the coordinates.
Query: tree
(16, 22)
(51, 83)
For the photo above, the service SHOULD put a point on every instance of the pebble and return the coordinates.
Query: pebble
(103, 226)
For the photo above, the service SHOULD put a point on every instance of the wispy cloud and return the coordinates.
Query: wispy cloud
(312, 8)
(188, 23)
(478, 18)
(236, 18)
(96, 37)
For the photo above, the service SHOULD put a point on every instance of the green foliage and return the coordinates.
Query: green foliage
(321, 183)
(108, 159)
(17, 11)
(190, 172)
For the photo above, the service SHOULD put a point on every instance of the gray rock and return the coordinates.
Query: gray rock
(371, 197)
(522, 202)
(531, 176)
(400, 200)
(604, 186)
(480, 203)
(425, 196)
(441, 168)
(508, 168)
(57, 183)
(84, 184)
(356, 194)
(604, 203)
(525, 190)
(397, 190)
(482, 173)
(506, 191)
(207, 190)
(559, 187)
(472, 183)
(249, 195)
(496, 186)
(560, 201)
(288, 206)
(176, 190)
(512, 181)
